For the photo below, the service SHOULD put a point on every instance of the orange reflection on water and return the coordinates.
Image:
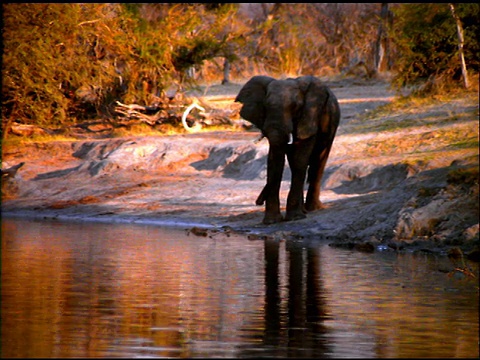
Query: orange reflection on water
(109, 290)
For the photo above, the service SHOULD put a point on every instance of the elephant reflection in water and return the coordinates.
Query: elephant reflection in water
(303, 331)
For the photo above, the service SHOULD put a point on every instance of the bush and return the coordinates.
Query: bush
(68, 62)
(426, 37)
(57, 63)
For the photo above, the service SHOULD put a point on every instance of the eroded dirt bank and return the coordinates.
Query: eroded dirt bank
(402, 180)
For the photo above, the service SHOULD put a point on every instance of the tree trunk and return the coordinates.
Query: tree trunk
(381, 48)
(460, 45)
(226, 72)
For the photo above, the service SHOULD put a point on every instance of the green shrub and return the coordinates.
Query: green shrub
(426, 37)
(68, 62)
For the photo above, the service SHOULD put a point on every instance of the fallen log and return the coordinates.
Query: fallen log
(153, 115)
(135, 111)
(197, 126)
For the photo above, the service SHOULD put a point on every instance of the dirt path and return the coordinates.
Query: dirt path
(407, 179)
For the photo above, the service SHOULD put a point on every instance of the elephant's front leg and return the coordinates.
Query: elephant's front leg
(298, 158)
(275, 166)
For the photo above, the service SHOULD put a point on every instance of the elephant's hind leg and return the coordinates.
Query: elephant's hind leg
(263, 196)
(327, 129)
(315, 174)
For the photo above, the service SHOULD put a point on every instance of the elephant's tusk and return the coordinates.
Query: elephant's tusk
(185, 114)
(290, 139)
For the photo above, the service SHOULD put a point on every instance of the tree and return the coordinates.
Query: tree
(382, 43)
(427, 41)
(460, 45)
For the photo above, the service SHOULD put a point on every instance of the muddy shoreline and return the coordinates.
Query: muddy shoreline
(386, 187)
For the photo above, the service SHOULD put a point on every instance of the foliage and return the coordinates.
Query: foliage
(304, 38)
(67, 62)
(53, 56)
(426, 37)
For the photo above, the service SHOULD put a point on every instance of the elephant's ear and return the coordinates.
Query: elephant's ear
(252, 96)
(315, 99)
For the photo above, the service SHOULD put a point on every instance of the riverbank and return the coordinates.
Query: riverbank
(398, 178)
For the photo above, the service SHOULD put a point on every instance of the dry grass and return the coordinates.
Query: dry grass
(461, 136)
(410, 112)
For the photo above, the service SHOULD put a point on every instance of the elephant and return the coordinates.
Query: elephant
(299, 117)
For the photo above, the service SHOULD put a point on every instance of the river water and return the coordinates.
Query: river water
(73, 289)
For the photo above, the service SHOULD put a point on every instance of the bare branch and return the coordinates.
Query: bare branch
(88, 22)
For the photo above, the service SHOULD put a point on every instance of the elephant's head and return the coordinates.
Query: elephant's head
(291, 105)
(252, 96)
